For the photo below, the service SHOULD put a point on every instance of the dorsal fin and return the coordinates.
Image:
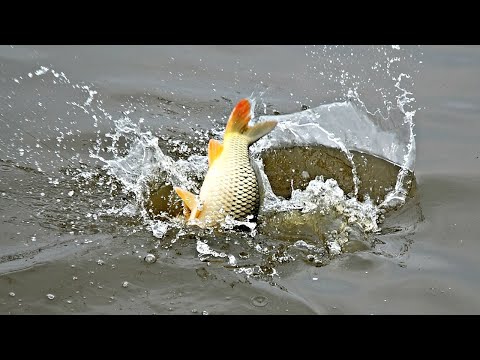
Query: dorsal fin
(189, 200)
(215, 148)
(239, 118)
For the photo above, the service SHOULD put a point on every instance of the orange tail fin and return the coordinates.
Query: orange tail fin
(239, 118)
(238, 122)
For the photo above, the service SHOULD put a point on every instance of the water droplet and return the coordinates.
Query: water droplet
(315, 279)
(50, 296)
(100, 262)
(12, 294)
(125, 284)
(75, 278)
(204, 312)
(34, 238)
(150, 258)
(259, 301)
(194, 311)
(69, 301)
(70, 193)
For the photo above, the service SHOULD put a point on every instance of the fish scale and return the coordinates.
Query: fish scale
(237, 193)
(230, 187)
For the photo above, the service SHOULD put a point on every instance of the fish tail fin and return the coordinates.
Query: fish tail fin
(238, 122)
(239, 118)
(189, 201)
(259, 130)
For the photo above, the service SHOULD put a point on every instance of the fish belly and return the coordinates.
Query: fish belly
(230, 188)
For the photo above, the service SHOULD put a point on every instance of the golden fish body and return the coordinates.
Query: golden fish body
(230, 187)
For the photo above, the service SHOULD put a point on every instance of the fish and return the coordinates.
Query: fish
(231, 185)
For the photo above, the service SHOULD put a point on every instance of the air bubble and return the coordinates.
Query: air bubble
(50, 296)
(259, 301)
(125, 284)
(150, 258)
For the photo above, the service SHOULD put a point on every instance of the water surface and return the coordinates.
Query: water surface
(90, 134)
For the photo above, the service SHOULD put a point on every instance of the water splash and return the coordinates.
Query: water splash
(141, 166)
(32, 139)
(204, 252)
(131, 162)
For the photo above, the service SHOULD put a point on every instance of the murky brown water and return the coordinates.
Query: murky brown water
(423, 261)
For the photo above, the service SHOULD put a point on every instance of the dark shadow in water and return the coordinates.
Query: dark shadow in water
(295, 167)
